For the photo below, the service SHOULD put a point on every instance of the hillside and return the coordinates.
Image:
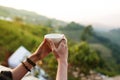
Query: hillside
(29, 17)
(113, 35)
(14, 35)
(107, 49)
(75, 31)
(72, 31)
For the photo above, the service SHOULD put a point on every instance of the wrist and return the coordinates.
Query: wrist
(63, 64)
(34, 58)
(63, 61)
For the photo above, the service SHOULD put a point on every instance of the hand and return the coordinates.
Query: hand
(61, 52)
(43, 50)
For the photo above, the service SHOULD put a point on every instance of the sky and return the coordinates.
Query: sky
(103, 12)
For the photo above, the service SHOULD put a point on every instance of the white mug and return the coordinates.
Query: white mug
(55, 37)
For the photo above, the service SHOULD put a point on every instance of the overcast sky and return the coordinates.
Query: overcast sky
(106, 12)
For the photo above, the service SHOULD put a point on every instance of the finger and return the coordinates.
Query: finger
(48, 42)
(64, 41)
(61, 45)
(64, 38)
(45, 40)
(53, 48)
(51, 45)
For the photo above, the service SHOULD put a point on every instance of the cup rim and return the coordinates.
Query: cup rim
(54, 35)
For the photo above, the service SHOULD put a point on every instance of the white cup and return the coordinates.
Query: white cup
(55, 37)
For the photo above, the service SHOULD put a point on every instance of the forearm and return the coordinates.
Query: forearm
(62, 70)
(20, 70)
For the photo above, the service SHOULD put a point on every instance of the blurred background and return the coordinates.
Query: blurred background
(92, 28)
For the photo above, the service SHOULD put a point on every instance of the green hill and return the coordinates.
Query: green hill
(108, 50)
(75, 31)
(13, 35)
(113, 35)
(29, 17)
(72, 31)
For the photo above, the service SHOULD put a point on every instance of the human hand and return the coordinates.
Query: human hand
(43, 50)
(61, 52)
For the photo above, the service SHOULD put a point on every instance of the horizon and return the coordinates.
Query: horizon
(103, 12)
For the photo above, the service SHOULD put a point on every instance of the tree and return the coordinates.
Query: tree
(82, 58)
(18, 20)
(87, 32)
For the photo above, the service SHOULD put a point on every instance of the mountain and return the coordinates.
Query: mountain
(28, 17)
(14, 35)
(107, 49)
(102, 28)
(72, 30)
(113, 35)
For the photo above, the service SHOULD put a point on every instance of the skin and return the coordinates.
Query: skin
(61, 54)
(41, 52)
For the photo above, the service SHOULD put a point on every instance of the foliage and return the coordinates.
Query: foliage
(72, 31)
(113, 35)
(14, 35)
(72, 26)
(86, 33)
(106, 64)
(50, 65)
(18, 20)
(114, 47)
(83, 57)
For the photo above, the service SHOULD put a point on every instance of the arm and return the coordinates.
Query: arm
(42, 51)
(62, 70)
(61, 54)
(20, 70)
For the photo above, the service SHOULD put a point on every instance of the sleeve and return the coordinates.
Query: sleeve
(5, 75)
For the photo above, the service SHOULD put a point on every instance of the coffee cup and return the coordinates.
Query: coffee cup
(55, 37)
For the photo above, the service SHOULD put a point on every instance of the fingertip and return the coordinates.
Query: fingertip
(64, 41)
(64, 38)
(51, 43)
(48, 40)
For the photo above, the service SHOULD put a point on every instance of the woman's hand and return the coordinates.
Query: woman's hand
(43, 50)
(61, 52)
